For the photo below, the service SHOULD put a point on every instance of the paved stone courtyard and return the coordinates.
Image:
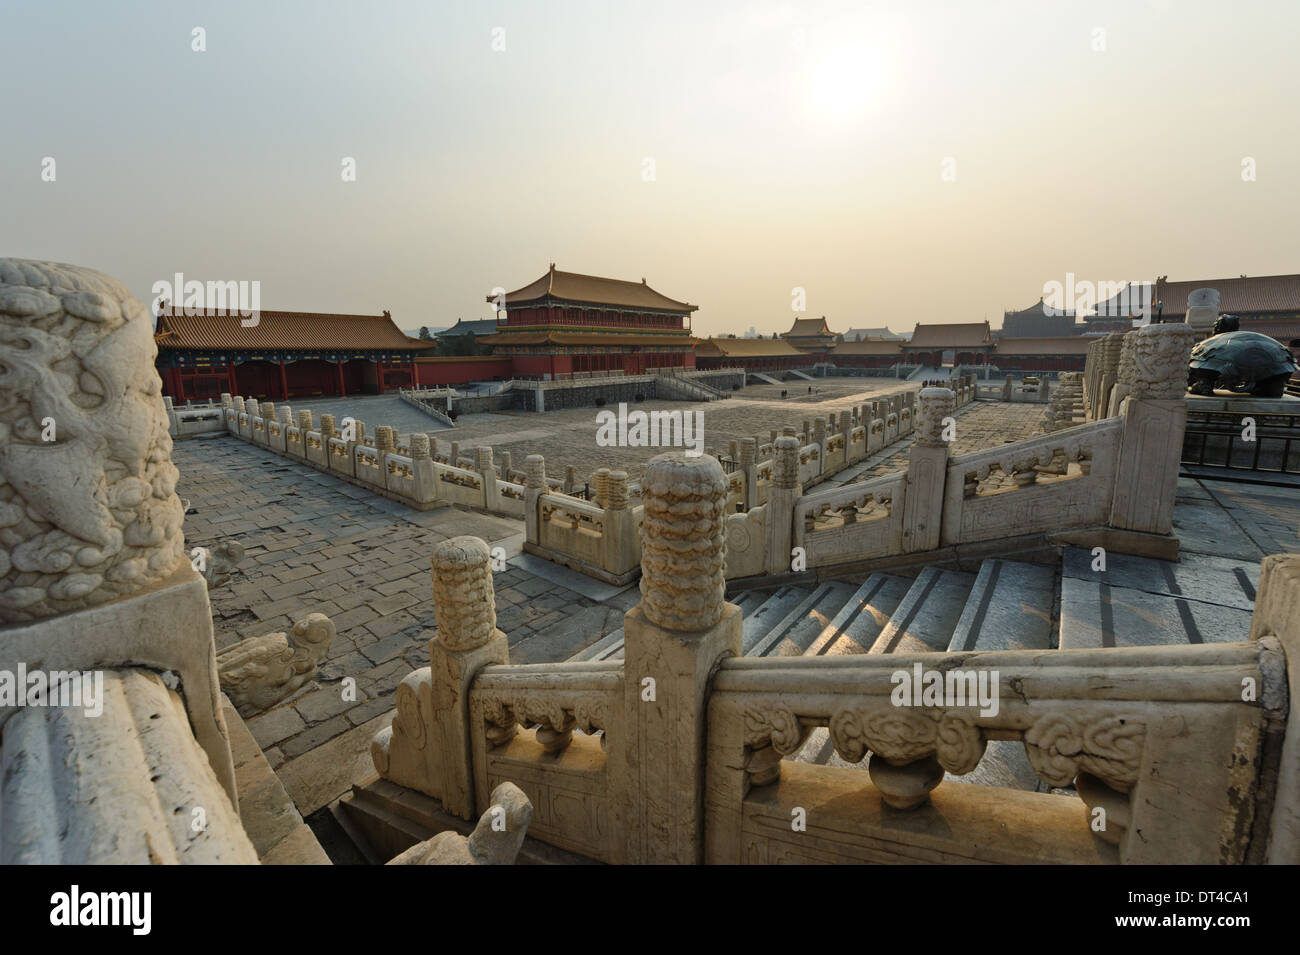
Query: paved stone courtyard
(568, 437)
(314, 543)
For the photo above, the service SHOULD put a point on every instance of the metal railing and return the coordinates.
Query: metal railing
(1243, 442)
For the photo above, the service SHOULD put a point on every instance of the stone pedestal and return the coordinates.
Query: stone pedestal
(673, 641)
(665, 758)
(451, 672)
(1154, 383)
(127, 785)
(1146, 473)
(166, 627)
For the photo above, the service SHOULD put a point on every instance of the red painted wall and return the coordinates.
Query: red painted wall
(459, 371)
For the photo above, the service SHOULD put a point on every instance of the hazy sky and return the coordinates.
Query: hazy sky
(792, 145)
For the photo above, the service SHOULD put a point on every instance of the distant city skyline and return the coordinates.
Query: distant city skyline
(912, 162)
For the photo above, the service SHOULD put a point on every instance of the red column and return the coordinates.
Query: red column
(284, 383)
(230, 374)
(379, 375)
(343, 389)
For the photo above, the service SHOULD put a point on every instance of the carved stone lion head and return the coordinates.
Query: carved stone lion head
(88, 505)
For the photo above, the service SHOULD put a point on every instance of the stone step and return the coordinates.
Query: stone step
(1216, 580)
(751, 600)
(610, 646)
(855, 628)
(771, 612)
(1010, 608)
(602, 649)
(805, 623)
(928, 614)
(1095, 613)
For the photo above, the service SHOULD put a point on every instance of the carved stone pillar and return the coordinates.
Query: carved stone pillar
(428, 746)
(599, 483)
(782, 495)
(1111, 346)
(620, 534)
(749, 466)
(1155, 416)
(327, 429)
(570, 479)
(674, 640)
(505, 465)
(488, 472)
(927, 469)
(252, 433)
(534, 487)
(426, 489)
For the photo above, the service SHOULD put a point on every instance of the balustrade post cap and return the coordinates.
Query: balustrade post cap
(464, 551)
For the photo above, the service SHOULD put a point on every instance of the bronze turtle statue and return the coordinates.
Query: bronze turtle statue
(1240, 361)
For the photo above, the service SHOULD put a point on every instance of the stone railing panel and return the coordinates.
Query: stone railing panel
(856, 521)
(1154, 732)
(458, 485)
(1057, 481)
(548, 729)
(572, 526)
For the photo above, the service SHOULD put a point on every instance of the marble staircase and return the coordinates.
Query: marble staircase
(1004, 605)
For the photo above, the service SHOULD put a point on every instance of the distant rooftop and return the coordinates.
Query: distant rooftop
(281, 331)
(809, 328)
(867, 334)
(1257, 293)
(487, 326)
(746, 348)
(951, 335)
(594, 290)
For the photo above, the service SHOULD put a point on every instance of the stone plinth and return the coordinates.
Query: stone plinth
(428, 746)
(673, 641)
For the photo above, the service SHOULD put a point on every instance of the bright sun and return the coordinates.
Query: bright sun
(845, 83)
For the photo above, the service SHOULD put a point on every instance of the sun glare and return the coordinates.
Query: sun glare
(846, 83)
